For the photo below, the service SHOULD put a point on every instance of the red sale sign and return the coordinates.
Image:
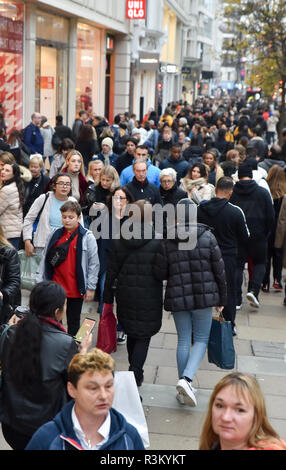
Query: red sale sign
(136, 9)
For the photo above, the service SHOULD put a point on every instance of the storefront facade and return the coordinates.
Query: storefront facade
(56, 61)
(11, 62)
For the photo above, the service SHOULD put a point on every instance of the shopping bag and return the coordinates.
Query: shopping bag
(127, 401)
(29, 266)
(220, 347)
(106, 335)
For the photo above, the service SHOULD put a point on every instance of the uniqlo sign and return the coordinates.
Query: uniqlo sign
(135, 9)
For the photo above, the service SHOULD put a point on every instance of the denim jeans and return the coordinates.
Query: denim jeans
(196, 322)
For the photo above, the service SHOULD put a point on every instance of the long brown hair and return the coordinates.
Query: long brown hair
(247, 386)
(276, 180)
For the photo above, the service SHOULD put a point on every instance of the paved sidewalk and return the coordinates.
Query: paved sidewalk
(260, 350)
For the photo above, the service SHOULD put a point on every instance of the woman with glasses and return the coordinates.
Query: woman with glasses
(47, 206)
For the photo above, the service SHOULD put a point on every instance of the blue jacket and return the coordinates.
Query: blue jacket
(87, 263)
(153, 174)
(59, 434)
(112, 158)
(181, 166)
(33, 139)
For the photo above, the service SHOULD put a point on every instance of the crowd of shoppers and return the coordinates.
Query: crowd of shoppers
(58, 183)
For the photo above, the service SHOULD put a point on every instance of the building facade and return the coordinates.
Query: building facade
(201, 49)
(61, 56)
(58, 57)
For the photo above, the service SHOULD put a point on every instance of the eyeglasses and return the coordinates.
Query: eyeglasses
(64, 185)
(121, 198)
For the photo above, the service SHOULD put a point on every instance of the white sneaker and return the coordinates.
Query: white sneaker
(252, 299)
(121, 337)
(186, 389)
(180, 398)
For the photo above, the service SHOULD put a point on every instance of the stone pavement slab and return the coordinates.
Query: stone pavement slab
(260, 350)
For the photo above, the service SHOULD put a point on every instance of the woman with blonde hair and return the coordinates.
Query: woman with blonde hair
(277, 184)
(216, 172)
(94, 169)
(74, 166)
(237, 419)
(96, 194)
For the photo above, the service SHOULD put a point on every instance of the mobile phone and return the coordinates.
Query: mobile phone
(87, 326)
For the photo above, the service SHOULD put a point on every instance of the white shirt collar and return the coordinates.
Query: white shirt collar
(104, 431)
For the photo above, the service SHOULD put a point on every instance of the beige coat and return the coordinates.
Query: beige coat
(198, 190)
(11, 214)
(280, 237)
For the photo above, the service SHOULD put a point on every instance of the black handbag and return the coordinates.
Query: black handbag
(57, 254)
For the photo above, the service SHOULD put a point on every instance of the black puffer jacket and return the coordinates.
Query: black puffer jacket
(27, 412)
(195, 278)
(138, 293)
(10, 285)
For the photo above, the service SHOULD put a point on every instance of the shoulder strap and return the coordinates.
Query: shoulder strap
(42, 208)
(71, 238)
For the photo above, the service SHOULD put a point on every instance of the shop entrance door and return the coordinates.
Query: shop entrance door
(51, 82)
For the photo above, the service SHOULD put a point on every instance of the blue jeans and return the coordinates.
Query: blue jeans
(198, 323)
(15, 242)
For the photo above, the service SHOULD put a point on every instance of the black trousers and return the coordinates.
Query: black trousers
(257, 251)
(73, 314)
(15, 439)
(229, 310)
(137, 349)
(276, 256)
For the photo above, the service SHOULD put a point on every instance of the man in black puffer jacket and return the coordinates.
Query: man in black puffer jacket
(195, 284)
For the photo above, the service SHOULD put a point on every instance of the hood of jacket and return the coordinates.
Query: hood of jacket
(64, 423)
(245, 187)
(214, 206)
(181, 231)
(143, 234)
(269, 162)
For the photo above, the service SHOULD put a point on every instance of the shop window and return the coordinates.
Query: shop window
(88, 70)
(11, 63)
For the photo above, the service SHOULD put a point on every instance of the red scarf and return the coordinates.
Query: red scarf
(54, 322)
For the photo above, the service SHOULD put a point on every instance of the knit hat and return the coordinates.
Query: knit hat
(183, 121)
(107, 141)
(244, 170)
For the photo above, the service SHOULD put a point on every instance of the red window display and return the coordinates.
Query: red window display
(11, 63)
